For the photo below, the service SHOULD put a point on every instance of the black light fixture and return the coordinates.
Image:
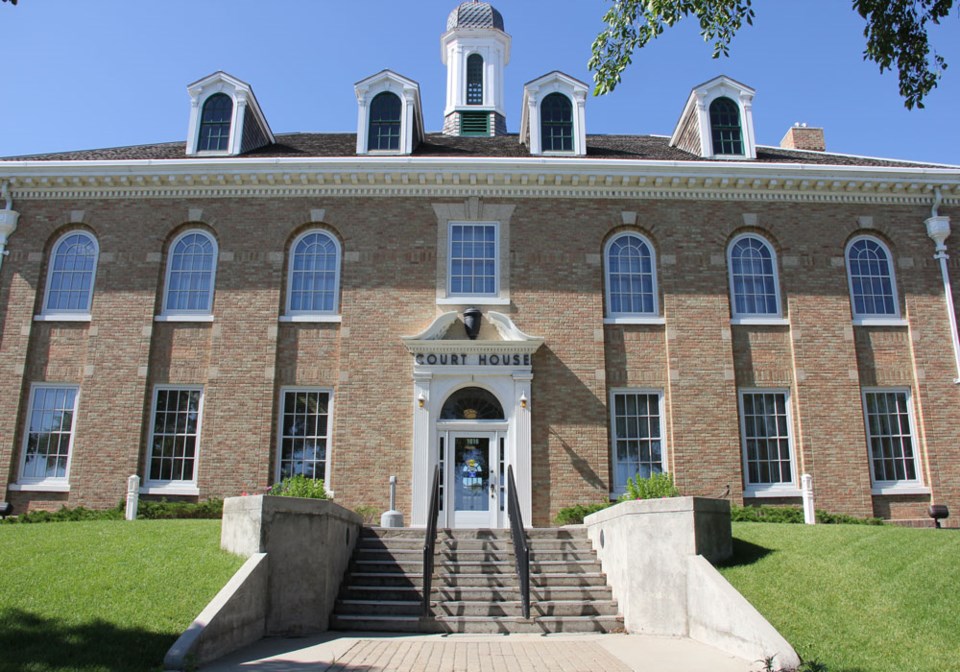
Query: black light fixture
(471, 320)
(938, 512)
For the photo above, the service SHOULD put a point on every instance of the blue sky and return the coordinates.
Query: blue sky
(84, 74)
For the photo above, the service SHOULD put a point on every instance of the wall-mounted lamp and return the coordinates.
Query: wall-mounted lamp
(421, 400)
(523, 400)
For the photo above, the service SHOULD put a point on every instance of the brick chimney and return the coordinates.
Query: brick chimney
(799, 136)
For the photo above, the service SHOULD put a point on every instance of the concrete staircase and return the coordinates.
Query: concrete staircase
(475, 586)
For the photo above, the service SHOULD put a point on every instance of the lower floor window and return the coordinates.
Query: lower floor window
(637, 436)
(304, 433)
(890, 436)
(175, 435)
(765, 432)
(49, 436)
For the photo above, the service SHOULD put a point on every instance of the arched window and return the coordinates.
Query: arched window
(872, 288)
(475, 79)
(725, 127)
(631, 276)
(215, 123)
(73, 269)
(385, 110)
(556, 123)
(191, 271)
(472, 403)
(313, 283)
(754, 290)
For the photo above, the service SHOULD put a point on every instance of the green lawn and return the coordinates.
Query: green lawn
(857, 598)
(104, 596)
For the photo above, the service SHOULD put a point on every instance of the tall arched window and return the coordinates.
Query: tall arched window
(475, 79)
(873, 291)
(73, 269)
(556, 123)
(191, 271)
(754, 289)
(631, 276)
(215, 123)
(725, 127)
(385, 111)
(313, 283)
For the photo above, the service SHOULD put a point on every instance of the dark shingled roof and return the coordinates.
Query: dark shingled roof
(330, 145)
(475, 15)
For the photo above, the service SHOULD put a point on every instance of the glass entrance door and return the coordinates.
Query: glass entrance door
(473, 478)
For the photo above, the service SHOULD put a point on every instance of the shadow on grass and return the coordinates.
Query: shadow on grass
(37, 643)
(745, 553)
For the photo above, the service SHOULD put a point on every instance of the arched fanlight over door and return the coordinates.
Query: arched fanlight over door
(472, 403)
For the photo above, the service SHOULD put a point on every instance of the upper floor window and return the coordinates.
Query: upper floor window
(475, 79)
(73, 269)
(556, 123)
(473, 260)
(191, 271)
(631, 276)
(725, 127)
(872, 288)
(754, 290)
(385, 111)
(215, 123)
(313, 284)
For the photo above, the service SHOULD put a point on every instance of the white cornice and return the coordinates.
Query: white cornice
(538, 177)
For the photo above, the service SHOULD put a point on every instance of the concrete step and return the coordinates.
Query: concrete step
(558, 608)
(479, 624)
(555, 580)
(476, 593)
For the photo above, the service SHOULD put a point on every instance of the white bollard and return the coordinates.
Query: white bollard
(133, 497)
(806, 487)
(392, 518)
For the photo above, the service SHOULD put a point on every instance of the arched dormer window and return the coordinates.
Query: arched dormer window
(873, 290)
(70, 280)
(385, 111)
(556, 123)
(215, 124)
(725, 129)
(313, 282)
(631, 278)
(475, 79)
(754, 288)
(191, 272)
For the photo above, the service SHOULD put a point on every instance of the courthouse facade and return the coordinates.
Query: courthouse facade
(216, 314)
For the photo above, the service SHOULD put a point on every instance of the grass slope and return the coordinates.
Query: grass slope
(859, 599)
(104, 596)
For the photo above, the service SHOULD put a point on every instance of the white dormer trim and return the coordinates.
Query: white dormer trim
(533, 94)
(698, 104)
(411, 115)
(245, 108)
(456, 46)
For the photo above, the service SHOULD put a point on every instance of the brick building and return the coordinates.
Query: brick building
(215, 314)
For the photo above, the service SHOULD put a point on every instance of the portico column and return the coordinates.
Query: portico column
(522, 457)
(422, 474)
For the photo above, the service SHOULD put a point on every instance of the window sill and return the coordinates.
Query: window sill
(183, 318)
(760, 493)
(760, 321)
(39, 487)
(473, 301)
(63, 317)
(310, 318)
(185, 489)
(880, 322)
(899, 489)
(639, 319)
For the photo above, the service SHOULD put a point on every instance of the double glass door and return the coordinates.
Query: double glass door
(473, 480)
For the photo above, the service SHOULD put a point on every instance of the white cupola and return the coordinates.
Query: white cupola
(475, 50)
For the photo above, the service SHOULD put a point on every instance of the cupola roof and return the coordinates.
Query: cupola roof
(475, 14)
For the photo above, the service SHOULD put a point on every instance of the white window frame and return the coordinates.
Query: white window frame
(618, 488)
(652, 317)
(897, 487)
(329, 437)
(479, 296)
(868, 319)
(204, 314)
(332, 315)
(46, 483)
(754, 318)
(790, 489)
(173, 487)
(81, 314)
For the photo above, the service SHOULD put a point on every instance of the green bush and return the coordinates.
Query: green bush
(793, 514)
(368, 513)
(65, 515)
(211, 508)
(300, 486)
(574, 515)
(655, 487)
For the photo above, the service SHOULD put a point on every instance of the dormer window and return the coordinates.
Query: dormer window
(475, 80)
(725, 127)
(717, 121)
(225, 117)
(556, 123)
(389, 118)
(553, 120)
(385, 113)
(215, 123)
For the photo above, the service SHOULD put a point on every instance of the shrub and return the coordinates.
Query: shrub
(793, 514)
(300, 486)
(574, 515)
(368, 513)
(654, 487)
(211, 508)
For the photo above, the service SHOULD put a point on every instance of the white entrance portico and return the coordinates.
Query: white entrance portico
(471, 415)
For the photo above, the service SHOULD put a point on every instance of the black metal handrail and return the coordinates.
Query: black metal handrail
(430, 542)
(520, 547)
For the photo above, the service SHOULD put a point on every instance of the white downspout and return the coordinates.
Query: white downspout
(938, 228)
(8, 220)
